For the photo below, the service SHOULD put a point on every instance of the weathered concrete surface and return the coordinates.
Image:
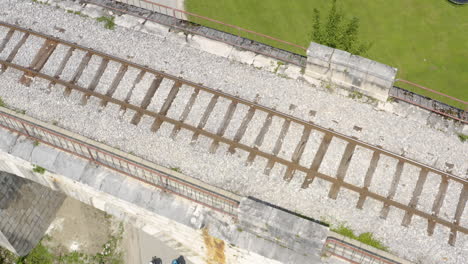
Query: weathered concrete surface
(283, 232)
(348, 71)
(172, 219)
(26, 211)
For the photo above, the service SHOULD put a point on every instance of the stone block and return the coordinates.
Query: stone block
(93, 11)
(155, 28)
(44, 156)
(7, 140)
(293, 71)
(23, 149)
(243, 56)
(349, 71)
(128, 21)
(69, 165)
(319, 55)
(111, 183)
(264, 62)
(357, 70)
(339, 65)
(211, 46)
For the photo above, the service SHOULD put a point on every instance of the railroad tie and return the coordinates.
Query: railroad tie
(224, 125)
(115, 82)
(415, 198)
(242, 128)
(206, 115)
(439, 200)
(97, 77)
(314, 167)
(62, 65)
(297, 154)
(15, 50)
(458, 214)
(185, 113)
(278, 145)
(342, 169)
(260, 137)
(6, 39)
(167, 104)
(368, 179)
(393, 188)
(39, 60)
(137, 80)
(147, 99)
(79, 71)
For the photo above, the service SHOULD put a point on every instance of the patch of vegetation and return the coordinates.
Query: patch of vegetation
(355, 95)
(2, 103)
(78, 13)
(463, 137)
(436, 66)
(176, 169)
(6, 257)
(110, 253)
(39, 255)
(366, 238)
(336, 33)
(40, 2)
(39, 169)
(36, 143)
(278, 65)
(108, 21)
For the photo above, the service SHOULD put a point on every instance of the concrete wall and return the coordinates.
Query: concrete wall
(26, 211)
(351, 72)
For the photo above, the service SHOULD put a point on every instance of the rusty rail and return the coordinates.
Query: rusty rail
(291, 163)
(431, 104)
(352, 253)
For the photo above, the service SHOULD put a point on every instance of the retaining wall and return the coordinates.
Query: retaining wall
(348, 71)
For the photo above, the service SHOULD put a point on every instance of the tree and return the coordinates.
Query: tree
(336, 33)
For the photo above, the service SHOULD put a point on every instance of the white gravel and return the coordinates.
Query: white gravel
(173, 55)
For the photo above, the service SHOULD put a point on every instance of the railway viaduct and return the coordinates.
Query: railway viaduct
(30, 197)
(185, 212)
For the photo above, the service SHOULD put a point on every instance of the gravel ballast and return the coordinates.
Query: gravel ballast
(400, 133)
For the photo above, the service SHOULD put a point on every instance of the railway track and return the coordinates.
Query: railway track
(296, 148)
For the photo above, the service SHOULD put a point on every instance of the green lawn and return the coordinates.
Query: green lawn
(426, 40)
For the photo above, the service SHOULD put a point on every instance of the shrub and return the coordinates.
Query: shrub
(108, 21)
(366, 238)
(336, 34)
(39, 169)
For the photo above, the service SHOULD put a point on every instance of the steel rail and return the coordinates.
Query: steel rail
(239, 100)
(292, 165)
(235, 144)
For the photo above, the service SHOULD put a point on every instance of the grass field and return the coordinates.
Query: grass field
(426, 40)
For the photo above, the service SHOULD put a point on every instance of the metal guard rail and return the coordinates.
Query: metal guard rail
(119, 161)
(353, 253)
